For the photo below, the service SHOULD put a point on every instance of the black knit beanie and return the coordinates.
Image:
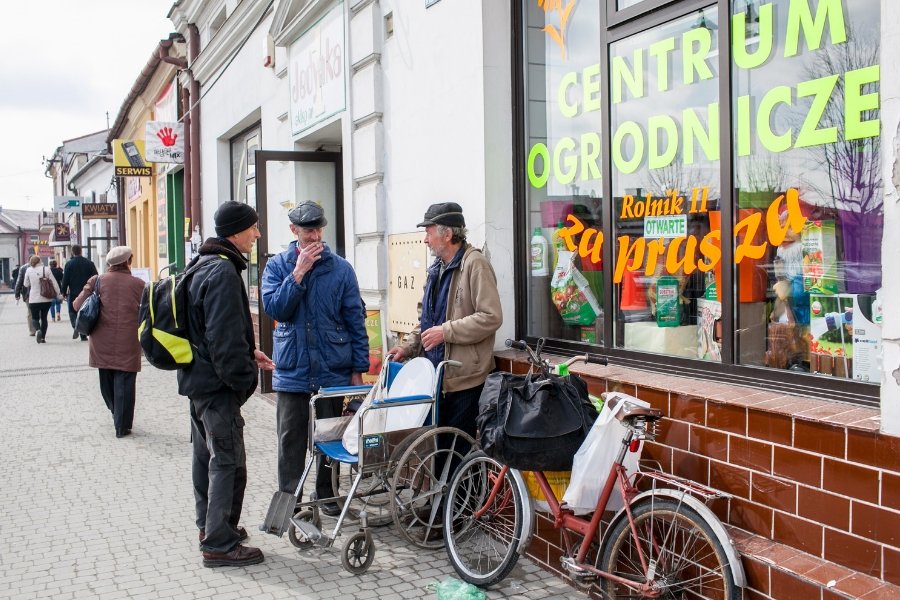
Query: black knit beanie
(234, 217)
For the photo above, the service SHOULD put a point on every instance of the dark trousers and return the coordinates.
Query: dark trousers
(219, 468)
(292, 421)
(74, 313)
(39, 312)
(118, 390)
(457, 409)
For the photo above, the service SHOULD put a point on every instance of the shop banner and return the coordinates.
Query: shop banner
(70, 204)
(62, 232)
(316, 72)
(128, 159)
(376, 345)
(99, 210)
(164, 142)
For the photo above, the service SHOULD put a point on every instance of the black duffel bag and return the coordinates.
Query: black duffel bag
(534, 423)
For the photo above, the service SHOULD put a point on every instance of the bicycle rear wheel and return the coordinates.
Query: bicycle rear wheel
(684, 556)
(483, 550)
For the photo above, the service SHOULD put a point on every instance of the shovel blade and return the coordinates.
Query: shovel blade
(281, 509)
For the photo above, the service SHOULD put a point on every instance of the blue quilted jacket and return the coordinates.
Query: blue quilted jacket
(321, 335)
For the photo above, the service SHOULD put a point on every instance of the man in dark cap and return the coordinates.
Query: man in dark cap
(320, 340)
(461, 314)
(222, 376)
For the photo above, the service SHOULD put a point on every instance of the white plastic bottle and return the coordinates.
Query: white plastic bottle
(539, 251)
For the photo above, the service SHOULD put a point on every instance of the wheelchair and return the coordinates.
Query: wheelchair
(399, 474)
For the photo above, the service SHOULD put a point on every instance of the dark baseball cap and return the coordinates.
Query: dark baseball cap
(445, 213)
(308, 214)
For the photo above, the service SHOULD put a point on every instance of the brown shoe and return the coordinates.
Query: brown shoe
(241, 532)
(240, 556)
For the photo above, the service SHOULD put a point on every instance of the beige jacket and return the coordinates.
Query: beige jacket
(473, 317)
(33, 283)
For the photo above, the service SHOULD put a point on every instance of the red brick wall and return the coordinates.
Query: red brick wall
(814, 475)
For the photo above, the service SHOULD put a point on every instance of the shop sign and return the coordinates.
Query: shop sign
(70, 204)
(408, 262)
(661, 139)
(668, 226)
(316, 72)
(99, 210)
(128, 159)
(164, 142)
(684, 254)
(62, 233)
(376, 345)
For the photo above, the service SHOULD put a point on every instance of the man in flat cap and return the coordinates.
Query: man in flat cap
(222, 376)
(461, 314)
(320, 340)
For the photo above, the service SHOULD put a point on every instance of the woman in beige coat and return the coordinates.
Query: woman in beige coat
(114, 347)
(37, 302)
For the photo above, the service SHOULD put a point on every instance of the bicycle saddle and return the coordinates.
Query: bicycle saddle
(630, 410)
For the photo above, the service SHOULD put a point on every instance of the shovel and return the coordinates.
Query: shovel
(281, 509)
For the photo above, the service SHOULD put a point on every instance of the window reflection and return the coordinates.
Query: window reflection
(664, 95)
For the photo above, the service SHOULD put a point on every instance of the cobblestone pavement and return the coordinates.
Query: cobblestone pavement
(86, 515)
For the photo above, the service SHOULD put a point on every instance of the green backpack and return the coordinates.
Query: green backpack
(162, 319)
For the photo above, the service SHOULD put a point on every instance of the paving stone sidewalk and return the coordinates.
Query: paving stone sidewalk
(86, 515)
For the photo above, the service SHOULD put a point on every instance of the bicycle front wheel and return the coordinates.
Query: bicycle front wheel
(482, 550)
(685, 559)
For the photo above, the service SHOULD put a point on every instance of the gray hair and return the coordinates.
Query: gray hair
(459, 233)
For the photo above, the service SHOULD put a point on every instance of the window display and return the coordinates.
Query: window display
(805, 87)
(802, 184)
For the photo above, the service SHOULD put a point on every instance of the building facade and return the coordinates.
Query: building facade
(699, 190)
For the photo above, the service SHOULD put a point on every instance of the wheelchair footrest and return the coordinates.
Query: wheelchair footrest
(311, 532)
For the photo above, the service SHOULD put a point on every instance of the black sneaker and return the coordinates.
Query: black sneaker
(39, 336)
(74, 335)
(330, 509)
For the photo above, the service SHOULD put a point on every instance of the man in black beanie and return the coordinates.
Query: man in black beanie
(222, 376)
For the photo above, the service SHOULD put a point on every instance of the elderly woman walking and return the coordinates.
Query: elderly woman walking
(38, 302)
(114, 347)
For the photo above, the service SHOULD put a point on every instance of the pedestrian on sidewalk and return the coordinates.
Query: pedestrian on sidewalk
(321, 341)
(56, 305)
(38, 303)
(22, 293)
(113, 348)
(222, 376)
(77, 271)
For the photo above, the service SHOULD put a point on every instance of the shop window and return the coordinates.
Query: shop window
(665, 182)
(807, 178)
(243, 189)
(562, 48)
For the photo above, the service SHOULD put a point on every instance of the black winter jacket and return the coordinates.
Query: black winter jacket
(77, 271)
(219, 325)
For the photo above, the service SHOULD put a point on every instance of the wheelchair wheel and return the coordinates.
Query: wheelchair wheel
(297, 538)
(421, 478)
(371, 495)
(358, 553)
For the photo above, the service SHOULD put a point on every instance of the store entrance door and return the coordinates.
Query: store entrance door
(284, 179)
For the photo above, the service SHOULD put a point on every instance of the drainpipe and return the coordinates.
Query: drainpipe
(193, 51)
(188, 172)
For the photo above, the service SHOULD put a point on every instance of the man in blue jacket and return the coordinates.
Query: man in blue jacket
(320, 340)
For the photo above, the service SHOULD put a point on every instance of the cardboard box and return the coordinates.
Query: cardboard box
(846, 337)
(819, 258)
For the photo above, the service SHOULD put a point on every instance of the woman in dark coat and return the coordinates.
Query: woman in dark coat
(114, 347)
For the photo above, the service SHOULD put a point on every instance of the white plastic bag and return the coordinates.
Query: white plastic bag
(596, 456)
(415, 378)
(375, 419)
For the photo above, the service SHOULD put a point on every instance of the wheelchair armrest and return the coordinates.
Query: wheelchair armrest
(344, 390)
(421, 399)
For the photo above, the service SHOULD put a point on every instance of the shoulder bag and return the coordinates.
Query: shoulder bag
(89, 313)
(47, 289)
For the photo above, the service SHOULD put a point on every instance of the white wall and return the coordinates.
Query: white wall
(890, 257)
(447, 122)
(246, 93)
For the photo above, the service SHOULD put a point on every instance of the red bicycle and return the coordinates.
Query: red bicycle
(664, 543)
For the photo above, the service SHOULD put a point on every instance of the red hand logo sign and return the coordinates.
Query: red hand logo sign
(166, 136)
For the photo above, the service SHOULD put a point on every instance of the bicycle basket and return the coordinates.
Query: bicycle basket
(534, 423)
